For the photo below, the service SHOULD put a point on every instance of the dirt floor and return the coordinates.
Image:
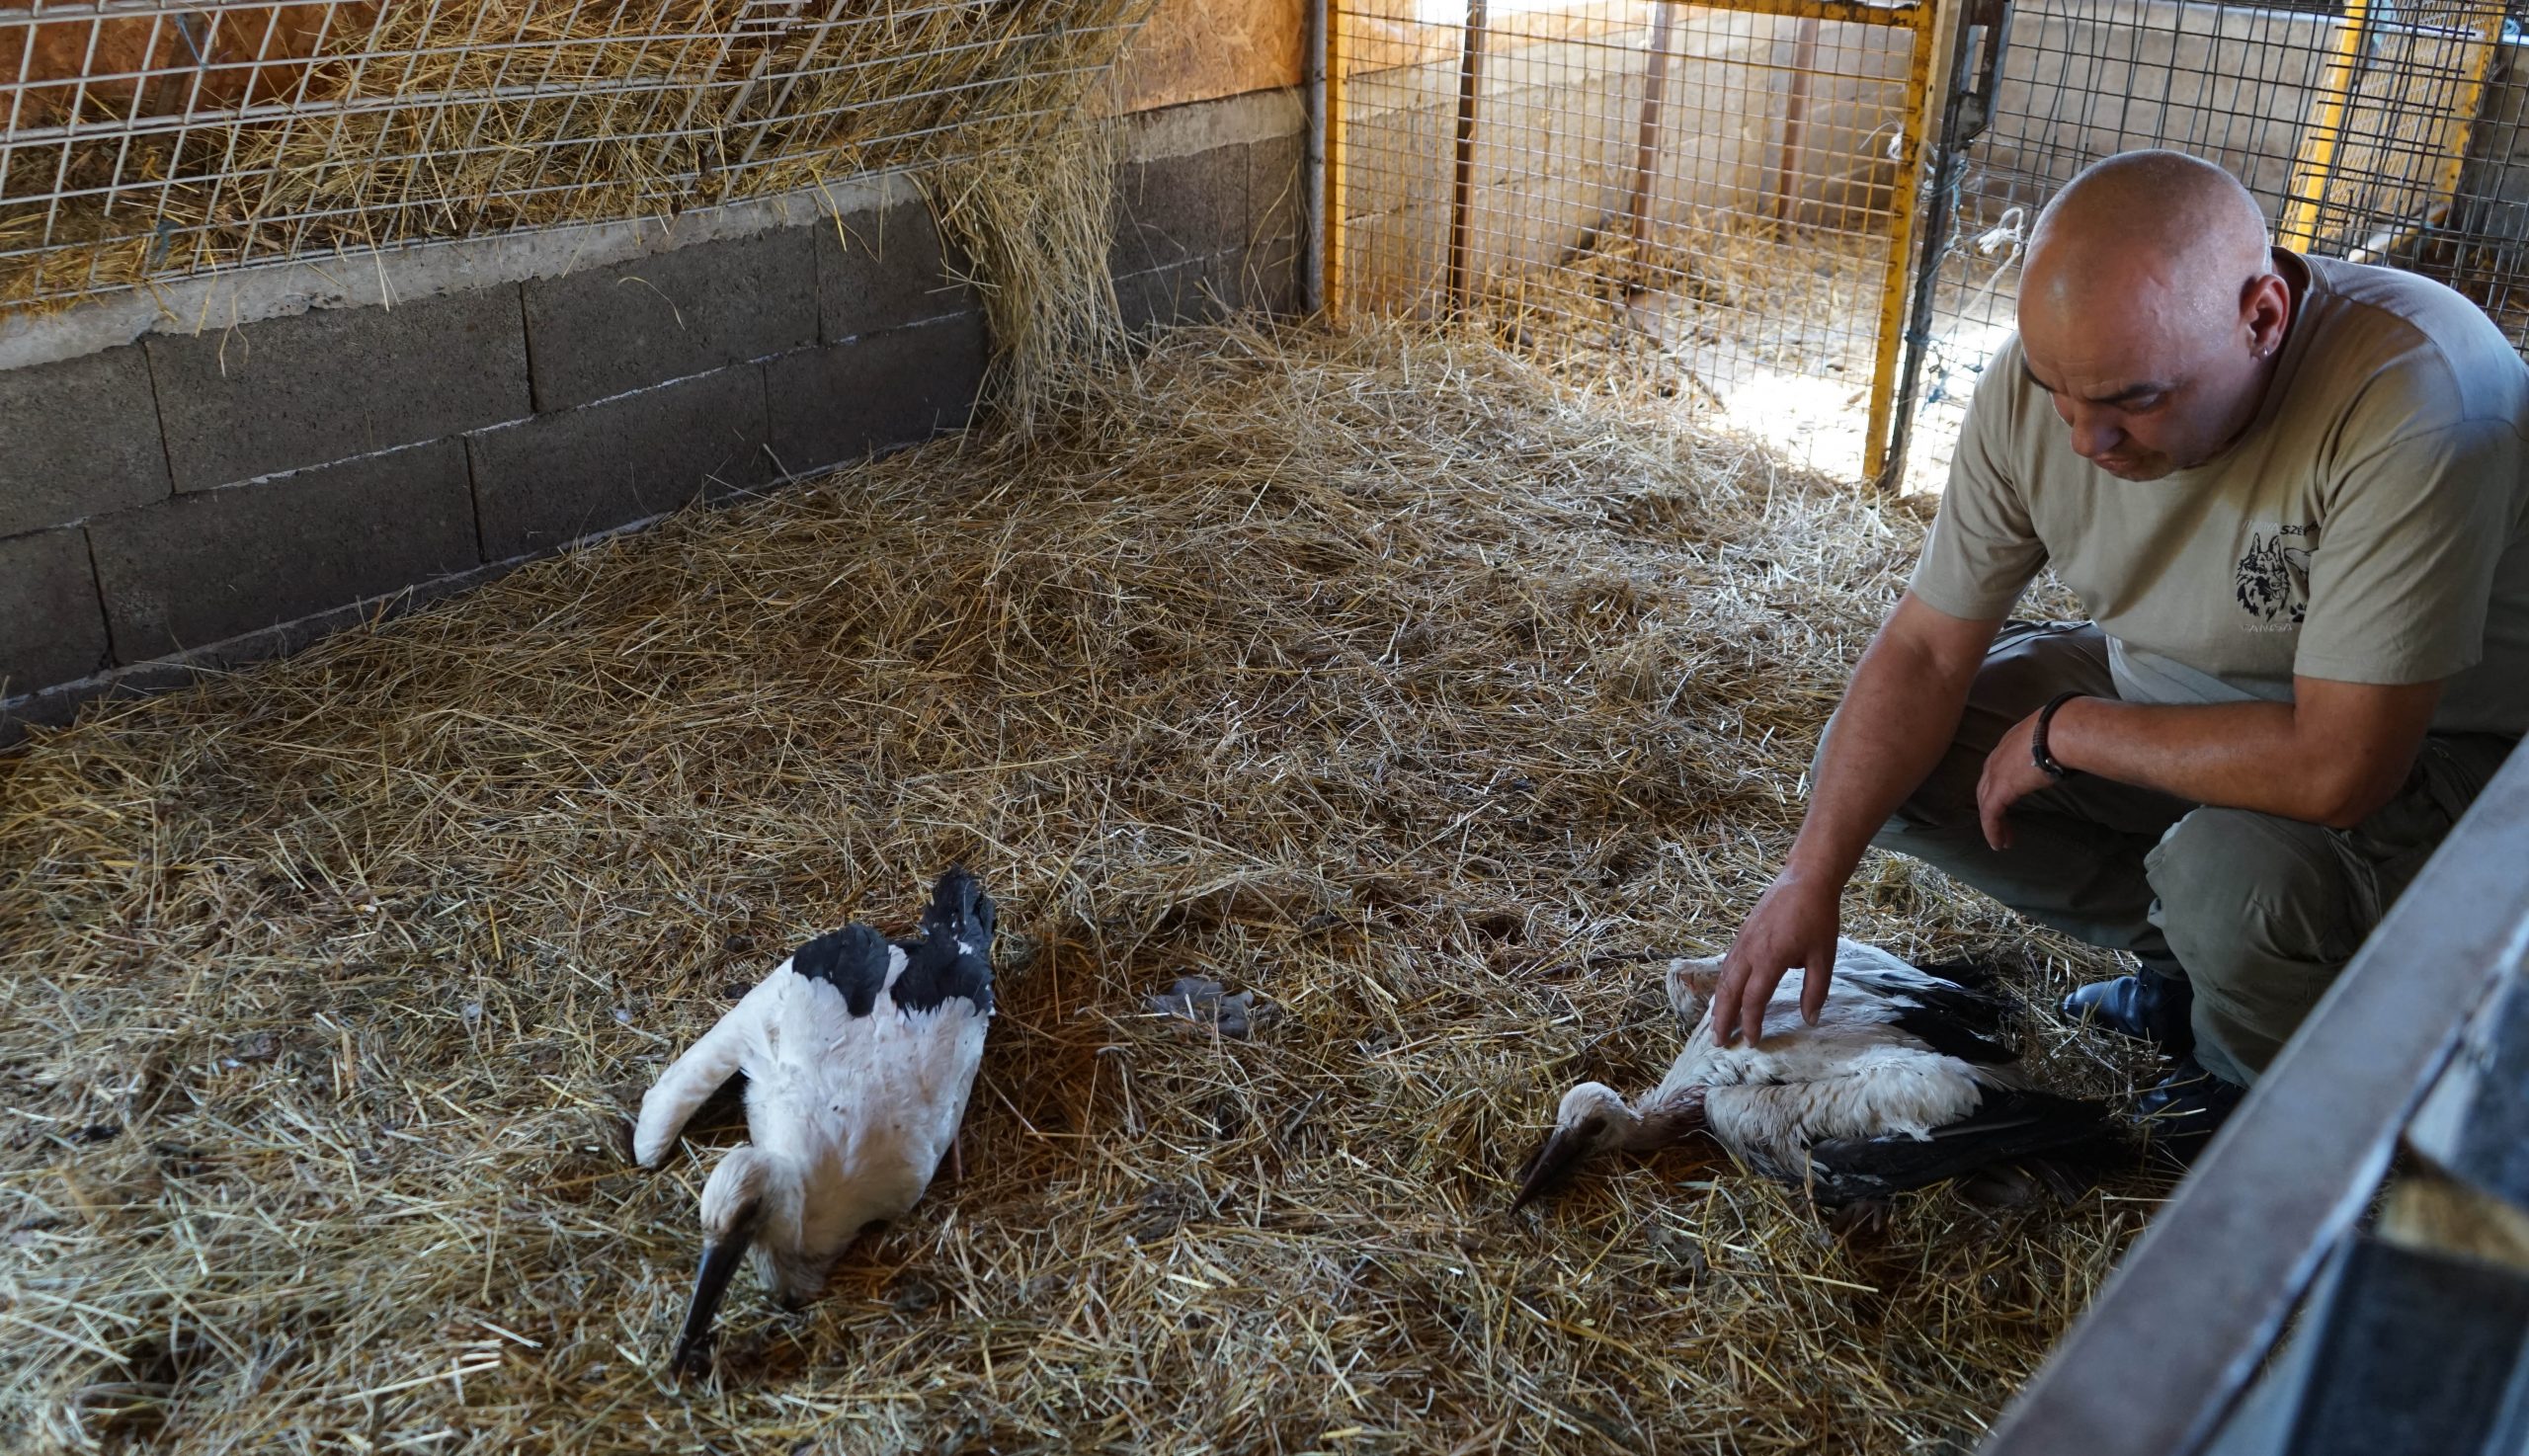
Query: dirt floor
(1372, 673)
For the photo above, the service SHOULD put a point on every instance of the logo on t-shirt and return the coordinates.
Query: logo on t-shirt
(2274, 576)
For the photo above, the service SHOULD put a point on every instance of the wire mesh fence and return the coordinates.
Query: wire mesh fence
(149, 138)
(2383, 134)
(1725, 192)
(1719, 196)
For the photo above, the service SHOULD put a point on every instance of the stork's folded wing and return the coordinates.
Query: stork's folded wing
(692, 1078)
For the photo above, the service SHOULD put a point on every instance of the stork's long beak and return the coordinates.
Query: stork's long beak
(719, 1262)
(1551, 1164)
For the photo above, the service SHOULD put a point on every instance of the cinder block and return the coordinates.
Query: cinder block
(1277, 189)
(209, 565)
(546, 482)
(688, 311)
(82, 439)
(52, 629)
(1268, 276)
(884, 268)
(1192, 291)
(1170, 209)
(842, 402)
(324, 386)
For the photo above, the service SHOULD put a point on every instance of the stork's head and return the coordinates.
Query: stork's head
(735, 1202)
(1594, 1119)
(2151, 311)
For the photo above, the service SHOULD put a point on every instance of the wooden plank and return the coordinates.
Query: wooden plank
(1203, 50)
(2179, 1330)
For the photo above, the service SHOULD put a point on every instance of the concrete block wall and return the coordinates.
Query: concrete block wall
(237, 466)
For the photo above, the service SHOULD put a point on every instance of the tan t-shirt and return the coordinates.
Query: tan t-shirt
(2371, 525)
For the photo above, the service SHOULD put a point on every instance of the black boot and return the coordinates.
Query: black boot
(2185, 1108)
(2148, 1005)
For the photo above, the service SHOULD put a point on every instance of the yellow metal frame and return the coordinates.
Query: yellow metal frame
(2317, 167)
(1338, 186)
(2314, 172)
(1924, 19)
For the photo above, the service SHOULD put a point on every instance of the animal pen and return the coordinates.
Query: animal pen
(1430, 666)
(1795, 211)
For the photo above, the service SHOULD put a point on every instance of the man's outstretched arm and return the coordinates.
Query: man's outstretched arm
(2331, 756)
(1896, 721)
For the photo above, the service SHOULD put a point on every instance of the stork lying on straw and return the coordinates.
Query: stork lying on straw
(1898, 1085)
(858, 1056)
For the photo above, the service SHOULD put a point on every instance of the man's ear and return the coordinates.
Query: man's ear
(2265, 311)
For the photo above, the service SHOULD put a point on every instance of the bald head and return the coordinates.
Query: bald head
(2143, 223)
(2151, 309)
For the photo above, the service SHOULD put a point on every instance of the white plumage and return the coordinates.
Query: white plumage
(858, 1056)
(1898, 1056)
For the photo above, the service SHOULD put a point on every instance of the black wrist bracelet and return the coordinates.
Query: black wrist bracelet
(2037, 737)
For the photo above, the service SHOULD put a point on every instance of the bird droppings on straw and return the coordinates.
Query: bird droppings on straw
(1396, 566)
(1204, 1008)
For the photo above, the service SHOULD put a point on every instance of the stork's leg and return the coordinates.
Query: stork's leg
(1860, 1218)
(957, 1155)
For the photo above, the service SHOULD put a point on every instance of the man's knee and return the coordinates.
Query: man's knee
(2240, 891)
(2028, 664)
(2031, 661)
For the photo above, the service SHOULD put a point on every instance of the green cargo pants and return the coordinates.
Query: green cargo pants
(2257, 912)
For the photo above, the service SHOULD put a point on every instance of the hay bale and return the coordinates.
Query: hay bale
(1369, 671)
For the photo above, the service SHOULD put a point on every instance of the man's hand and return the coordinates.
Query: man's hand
(1794, 923)
(1896, 719)
(2011, 775)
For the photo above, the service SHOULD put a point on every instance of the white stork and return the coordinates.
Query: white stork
(1898, 1085)
(858, 1057)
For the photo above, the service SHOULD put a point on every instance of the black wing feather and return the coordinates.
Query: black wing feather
(2009, 1124)
(852, 960)
(954, 957)
(1967, 973)
(1944, 1033)
(1979, 1011)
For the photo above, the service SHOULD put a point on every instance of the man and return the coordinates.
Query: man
(2290, 494)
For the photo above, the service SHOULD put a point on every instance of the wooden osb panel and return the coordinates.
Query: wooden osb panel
(1202, 49)
(1388, 34)
(167, 63)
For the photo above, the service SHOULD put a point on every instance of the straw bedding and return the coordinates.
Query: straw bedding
(1736, 288)
(1368, 673)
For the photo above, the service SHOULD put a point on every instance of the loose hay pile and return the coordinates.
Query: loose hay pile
(311, 129)
(1366, 673)
(1725, 290)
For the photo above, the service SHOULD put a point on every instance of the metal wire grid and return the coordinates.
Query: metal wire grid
(2386, 136)
(1714, 194)
(144, 138)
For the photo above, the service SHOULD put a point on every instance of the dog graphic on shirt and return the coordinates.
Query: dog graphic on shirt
(2274, 576)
